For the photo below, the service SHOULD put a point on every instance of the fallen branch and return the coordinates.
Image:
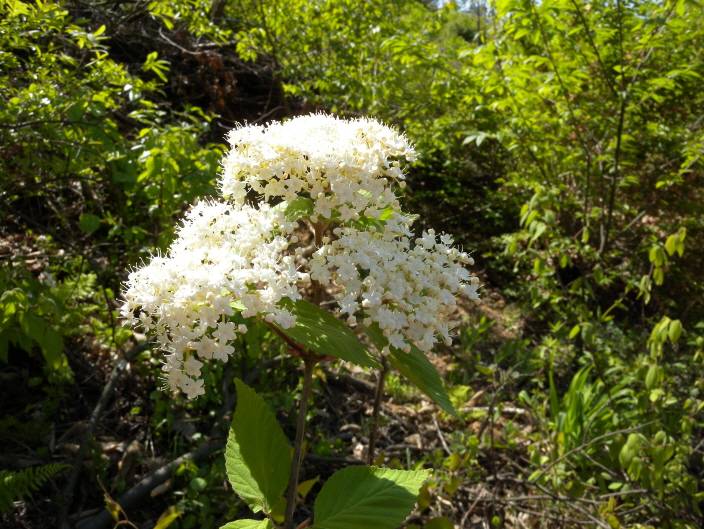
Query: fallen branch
(356, 383)
(105, 396)
(141, 490)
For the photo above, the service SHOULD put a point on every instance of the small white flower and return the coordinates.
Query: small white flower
(192, 387)
(192, 366)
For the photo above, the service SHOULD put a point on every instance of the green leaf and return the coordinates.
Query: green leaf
(257, 456)
(320, 332)
(681, 235)
(157, 66)
(52, 346)
(367, 497)
(373, 223)
(630, 449)
(651, 376)
(537, 228)
(198, 484)
(671, 244)
(76, 110)
(169, 516)
(88, 223)
(305, 486)
(574, 332)
(386, 213)
(658, 276)
(49, 340)
(554, 400)
(298, 208)
(248, 524)
(657, 256)
(416, 367)
(674, 331)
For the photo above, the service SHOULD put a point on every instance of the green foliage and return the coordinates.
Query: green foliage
(589, 115)
(95, 162)
(258, 456)
(85, 120)
(320, 332)
(249, 524)
(299, 208)
(17, 485)
(34, 331)
(562, 141)
(360, 497)
(38, 314)
(400, 62)
(257, 460)
(416, 368)
(168, 518)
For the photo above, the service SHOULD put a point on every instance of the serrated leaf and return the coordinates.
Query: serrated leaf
(248, 524)
(258, 455)
(367, 497)
(320, 332)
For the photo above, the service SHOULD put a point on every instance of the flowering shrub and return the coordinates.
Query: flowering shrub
(310, 234)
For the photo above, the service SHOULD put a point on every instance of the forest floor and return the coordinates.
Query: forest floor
(117, 460)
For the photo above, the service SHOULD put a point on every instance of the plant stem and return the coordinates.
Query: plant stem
(309, 364)
(381, 378)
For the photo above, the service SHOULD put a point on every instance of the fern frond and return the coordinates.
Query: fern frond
(17, 485)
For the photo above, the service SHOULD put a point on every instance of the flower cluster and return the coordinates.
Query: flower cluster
(245, 255)
(345, 167)
(407, 287)
(222, 254)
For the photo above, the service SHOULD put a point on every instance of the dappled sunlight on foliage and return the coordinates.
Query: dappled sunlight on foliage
(561, 142)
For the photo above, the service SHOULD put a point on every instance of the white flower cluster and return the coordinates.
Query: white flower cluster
(407, 287)
(344, 166)
(244, 255)
(222, 254)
